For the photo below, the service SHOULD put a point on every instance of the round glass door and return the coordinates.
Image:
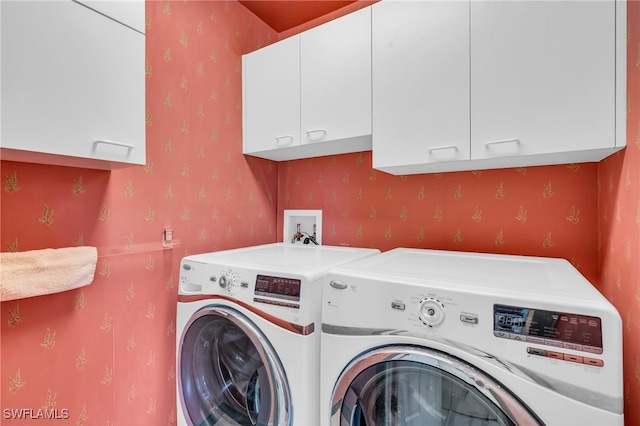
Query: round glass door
(413, 386)
(229, 373)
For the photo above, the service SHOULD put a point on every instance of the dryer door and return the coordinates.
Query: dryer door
(229, 372)
(415, 386)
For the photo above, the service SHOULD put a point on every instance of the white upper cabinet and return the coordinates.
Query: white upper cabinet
(73, 87)
(490, 84)
(310, 95)
(271, 97)
(335, 68)
(420, 84)
(543, 81)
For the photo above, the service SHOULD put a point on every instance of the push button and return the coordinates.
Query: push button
(501, 334)
(536, 351)
(398, 305)
(593, 361)
(554, 355)
(469, 318)
(573, 358)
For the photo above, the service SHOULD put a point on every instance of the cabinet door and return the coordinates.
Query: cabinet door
(335, 64)
(271, 90)
(72, 85)
(420, 85)
(542, 78)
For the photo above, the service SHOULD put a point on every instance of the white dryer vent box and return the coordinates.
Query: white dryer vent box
(300, 225)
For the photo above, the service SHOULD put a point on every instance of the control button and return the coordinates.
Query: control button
(340, 285)
(186, 267)
(593, 361)
(501, 334)
(551, 342)
(572, 346)
(398, 305)
(592, 349)
(469, 318)
(536, 340)
(554, 355)
(212, 279)
(518, 337)
(573, 358)
(536, 351)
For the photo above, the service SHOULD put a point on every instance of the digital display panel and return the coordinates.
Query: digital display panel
(278, 287)
(548, 326)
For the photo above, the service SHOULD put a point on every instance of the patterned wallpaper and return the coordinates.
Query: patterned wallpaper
(619, 224)
(105, 353)
(543, 211)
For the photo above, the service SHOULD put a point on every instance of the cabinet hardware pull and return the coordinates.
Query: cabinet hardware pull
(440, 148)
(321, 134)
(516, 141)
(308, 132)
(278, 138)
(106, 142)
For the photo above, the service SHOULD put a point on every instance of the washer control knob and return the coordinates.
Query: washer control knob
(227, 281)
(431, 311)
(223, 281)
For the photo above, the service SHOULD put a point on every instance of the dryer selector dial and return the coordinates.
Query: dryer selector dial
(431, 311)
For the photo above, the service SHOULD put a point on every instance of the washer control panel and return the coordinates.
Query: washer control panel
(555, 331)
(549, 328)
(432, 310)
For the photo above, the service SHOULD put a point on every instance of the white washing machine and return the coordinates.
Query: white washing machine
(425, 337)
(248, 333)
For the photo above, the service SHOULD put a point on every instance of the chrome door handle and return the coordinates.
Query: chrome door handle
(516, 141)
(107, 142)
(279, 138)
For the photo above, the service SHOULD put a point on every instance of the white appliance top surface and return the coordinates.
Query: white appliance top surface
(285, 257)
(475, 272)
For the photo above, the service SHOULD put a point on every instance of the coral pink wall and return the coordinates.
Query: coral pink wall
(544, 211)
(106, 352)
(619, 224)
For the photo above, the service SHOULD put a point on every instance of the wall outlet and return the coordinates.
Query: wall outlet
(302, 226)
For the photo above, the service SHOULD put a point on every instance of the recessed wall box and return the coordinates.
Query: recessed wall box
(302, 227)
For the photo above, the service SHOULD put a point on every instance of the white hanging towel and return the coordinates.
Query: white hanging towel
(47, 271)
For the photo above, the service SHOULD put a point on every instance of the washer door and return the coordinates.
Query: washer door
(415, 386)
(229, 372)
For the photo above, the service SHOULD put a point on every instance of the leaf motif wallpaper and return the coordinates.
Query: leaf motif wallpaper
(105, 354)
(542, 211)
(619, 224)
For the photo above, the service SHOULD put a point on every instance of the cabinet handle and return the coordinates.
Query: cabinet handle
(448, 155)
(279, 138)
(516, 141)
(442, 148)
(322, 132)
(106, 142)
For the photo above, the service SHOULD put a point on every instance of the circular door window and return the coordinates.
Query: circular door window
(229, 373)
(413, 386)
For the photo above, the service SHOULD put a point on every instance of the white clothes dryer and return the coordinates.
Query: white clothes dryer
(426, 337)
(248, 334)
